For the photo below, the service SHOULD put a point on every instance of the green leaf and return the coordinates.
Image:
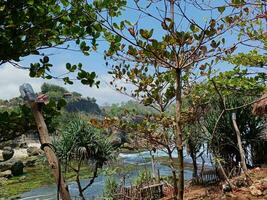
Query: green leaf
(221, 9)
(61, 103)
(68, 66)
(194, 28)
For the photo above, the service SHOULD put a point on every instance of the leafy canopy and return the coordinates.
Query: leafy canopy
(27, 27)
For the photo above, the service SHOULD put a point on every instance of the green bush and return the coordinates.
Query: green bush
(110, 188)
(143, 177)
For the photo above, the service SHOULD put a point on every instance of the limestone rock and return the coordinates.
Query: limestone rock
(17, 168)
(6, 165)
(34, 151)
(6, 174)
(7, 153)
(23, 145)
(30, 162)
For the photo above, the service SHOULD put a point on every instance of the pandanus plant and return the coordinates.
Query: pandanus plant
(82, 145)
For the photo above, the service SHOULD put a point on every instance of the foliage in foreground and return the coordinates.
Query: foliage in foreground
(85, 144)
(110, 188)
(18, 120)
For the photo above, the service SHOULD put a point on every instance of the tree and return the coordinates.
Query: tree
(18, 119)
(131, 106)
(85, 144)
(231, 91)
(46, 88)
(184, 49)
(29, 27)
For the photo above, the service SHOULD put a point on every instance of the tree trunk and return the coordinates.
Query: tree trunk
(194, 159)
(193, 155)
(179, 136)
(79, 186)
(224, 175)
(49, 153)
(241, 150)
(174, 176)
(153, 164)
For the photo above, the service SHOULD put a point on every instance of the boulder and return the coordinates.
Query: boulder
(6, 174)
(34, 151)
(6, 165)
(23, 145)
(7, 153)
(17, 168)
(30, 162)
(22, 142)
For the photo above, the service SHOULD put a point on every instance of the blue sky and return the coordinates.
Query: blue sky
(11, 78)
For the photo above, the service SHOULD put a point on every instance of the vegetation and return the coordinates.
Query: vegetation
(29, 28)
(196, 65)
(110, 188)
(75, 101)
(26, 182)
(81, 142)
(143, 177)
(18, 120)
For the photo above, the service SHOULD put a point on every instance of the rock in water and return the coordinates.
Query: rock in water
(30, 162)
(23, 145)
(34, 151)
(6, 174)
(6, 165)
(17, 168)
(7, 153)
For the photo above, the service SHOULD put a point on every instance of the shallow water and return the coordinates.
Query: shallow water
(140, 160)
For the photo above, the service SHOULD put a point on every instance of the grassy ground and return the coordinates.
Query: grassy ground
(33, 177)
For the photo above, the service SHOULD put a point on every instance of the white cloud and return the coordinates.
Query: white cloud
(11, 78)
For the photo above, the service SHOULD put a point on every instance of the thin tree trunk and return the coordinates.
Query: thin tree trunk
(78, 181)
(49, 153)
(224, 175)
(241, 150)
(174, 176)
(79, 187)
(179, 136)
(194, 159)
(153, 164)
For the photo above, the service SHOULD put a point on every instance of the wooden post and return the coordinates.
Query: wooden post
(28, 94)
